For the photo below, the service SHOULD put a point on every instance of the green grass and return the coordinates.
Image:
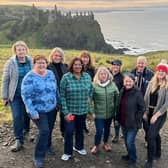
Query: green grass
(129, 62)
(5, 114)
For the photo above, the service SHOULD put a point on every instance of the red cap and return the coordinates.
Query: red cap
(162, 67)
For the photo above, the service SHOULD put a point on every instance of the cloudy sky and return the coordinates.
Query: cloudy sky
(88, 4)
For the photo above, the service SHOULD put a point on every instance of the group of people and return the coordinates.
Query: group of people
(37, 89)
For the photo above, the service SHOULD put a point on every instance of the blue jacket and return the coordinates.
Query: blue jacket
(39, 93)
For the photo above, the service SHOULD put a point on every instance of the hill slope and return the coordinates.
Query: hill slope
(47, 29)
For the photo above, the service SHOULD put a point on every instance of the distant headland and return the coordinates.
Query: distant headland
(50, 28)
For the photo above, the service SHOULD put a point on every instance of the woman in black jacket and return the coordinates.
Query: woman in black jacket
(89, 68)
(87, 62)
(131, 110)
(59, 68)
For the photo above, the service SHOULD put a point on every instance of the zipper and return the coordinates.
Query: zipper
(106, 100)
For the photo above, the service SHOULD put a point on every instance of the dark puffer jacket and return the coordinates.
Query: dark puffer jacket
(134, 108)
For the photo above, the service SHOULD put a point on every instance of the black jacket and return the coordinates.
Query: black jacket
(91, 72)
(118, 80)
(147, 76)
(63, 69)
(134, 110)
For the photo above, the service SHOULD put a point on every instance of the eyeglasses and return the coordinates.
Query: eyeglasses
(77, 65)
(40, 62)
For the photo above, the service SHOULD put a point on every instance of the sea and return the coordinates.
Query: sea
(139, 29)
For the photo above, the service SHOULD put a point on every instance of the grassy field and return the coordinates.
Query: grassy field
(129, 62)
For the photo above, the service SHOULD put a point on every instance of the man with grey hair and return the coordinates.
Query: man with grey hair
(142, 74)
(142, 78)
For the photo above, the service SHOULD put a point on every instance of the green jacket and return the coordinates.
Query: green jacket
(105, 100)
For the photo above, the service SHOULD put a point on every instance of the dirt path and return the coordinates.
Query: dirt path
(23, 159)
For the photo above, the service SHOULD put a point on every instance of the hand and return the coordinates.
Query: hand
(5, 102)
(153, 119)
(36, 117)
(145, 117)
(67, 117)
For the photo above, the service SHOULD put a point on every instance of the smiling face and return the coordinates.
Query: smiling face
(21, 52)
(85, 60)
(128, 82)
(40, 66)
(141, 64)
(57, 57)
(77, 66)
(161, 75)
(103, 76)
(115, 68)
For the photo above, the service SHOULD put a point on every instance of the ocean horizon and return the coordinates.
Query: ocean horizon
(140, 30)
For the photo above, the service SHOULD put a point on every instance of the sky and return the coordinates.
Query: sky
(69, 4)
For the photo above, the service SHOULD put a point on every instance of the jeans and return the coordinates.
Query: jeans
(21, 120)
(62, 126)
(26, 127)
(145, 127)
(45, 125)
(129, 138)
(154, 139)
(116, 129)
(102, 126)
(76, 126)
(51, 122)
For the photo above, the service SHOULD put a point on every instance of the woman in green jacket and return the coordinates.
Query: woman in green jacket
(105, 100)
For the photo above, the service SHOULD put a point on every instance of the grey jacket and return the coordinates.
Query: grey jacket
(10, 78)
(162, 102)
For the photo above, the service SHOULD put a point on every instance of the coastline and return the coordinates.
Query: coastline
(130, 49)
(127, 29)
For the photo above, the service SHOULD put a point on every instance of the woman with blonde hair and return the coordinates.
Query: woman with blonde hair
(59, 68)
(105, 102)
(156, 99)
(14, 70)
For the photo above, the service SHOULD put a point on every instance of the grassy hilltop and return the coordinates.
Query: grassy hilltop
(129, 63)
(48, 28)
